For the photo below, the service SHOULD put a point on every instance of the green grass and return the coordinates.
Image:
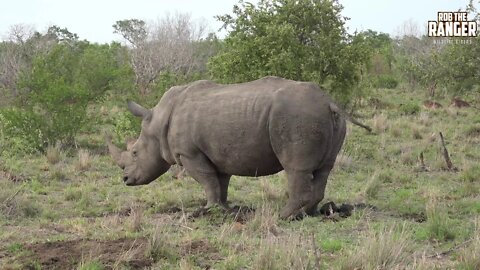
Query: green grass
(68, 194)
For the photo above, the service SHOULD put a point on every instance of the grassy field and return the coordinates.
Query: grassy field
(68, 208)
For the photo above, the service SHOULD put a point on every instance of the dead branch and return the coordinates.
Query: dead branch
(423, 168)
(448, 251)
(14, 194)
(446, 155)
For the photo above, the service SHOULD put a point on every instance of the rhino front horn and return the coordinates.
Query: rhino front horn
(115, 152)
(139, 110)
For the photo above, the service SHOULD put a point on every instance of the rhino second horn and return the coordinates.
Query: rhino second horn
(139, 110)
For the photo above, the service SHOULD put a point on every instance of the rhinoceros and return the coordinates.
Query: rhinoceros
(256, 128)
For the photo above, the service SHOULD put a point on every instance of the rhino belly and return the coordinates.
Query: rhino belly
(247, 160)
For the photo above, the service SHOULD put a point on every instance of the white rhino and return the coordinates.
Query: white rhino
(249, 129)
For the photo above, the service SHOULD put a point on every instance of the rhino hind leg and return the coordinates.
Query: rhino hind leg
(318, 185)
(299, 193)
(201, 169)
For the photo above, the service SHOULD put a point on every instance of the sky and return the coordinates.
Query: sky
(93, 19)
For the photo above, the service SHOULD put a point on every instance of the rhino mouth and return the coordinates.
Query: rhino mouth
(129, 181)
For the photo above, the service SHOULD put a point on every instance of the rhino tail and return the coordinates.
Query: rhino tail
(338, 112)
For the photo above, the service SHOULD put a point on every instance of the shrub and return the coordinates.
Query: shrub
(55, 94)
(21, 132)
(409, 108)
(385, 81)
(126, 125)
(61, 84)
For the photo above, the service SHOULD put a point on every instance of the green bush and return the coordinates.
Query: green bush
(126, 125)
(21, 132)
(385, 81)
(298, 40)
(409, 108)
(63, 82)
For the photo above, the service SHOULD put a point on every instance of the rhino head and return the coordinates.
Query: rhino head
(142, 161)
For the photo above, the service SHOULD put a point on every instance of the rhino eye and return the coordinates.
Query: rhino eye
(134, 153)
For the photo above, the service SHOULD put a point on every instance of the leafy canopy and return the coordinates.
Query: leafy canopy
(295, 39)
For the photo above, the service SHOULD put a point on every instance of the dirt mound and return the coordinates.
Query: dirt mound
(68, 254)
(331, 211)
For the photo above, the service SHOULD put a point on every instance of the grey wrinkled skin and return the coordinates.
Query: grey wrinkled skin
(251, 129)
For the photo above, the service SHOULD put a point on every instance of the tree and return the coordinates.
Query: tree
(167, 46)
(134, 31)
(15, 57)
(451, 64)
(24, 44)
(459, 62)
(296, 39)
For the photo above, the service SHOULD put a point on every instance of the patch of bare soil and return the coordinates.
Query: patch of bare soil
(69, 254)
(416, 217)
(204, 251)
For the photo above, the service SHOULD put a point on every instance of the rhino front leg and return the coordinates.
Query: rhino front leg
(201, 169)
(224, 182)
(299, 193)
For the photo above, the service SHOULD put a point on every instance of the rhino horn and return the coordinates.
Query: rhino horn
(139, 110)
(115, 152)
(130, 142)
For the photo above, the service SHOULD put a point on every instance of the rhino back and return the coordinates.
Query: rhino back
(250, 129)
(227, 123)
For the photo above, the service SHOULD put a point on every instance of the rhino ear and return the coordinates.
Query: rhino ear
(139, 110)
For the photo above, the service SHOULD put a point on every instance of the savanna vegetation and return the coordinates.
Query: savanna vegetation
(416, 193)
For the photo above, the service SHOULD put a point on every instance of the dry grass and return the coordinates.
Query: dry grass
(270, 191)
(160, 244)
(387, 249)
(84, 160)
(265, 221)
(53, 154)
(396, 132)
(438, 222)
(343, 162)
(469, 257)
(380, 123)
(372, 187)
(416, 132)
(186, 265)
(406, 156)
(15, 205)
(424, 119)
(283, 253)
(136, 219)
